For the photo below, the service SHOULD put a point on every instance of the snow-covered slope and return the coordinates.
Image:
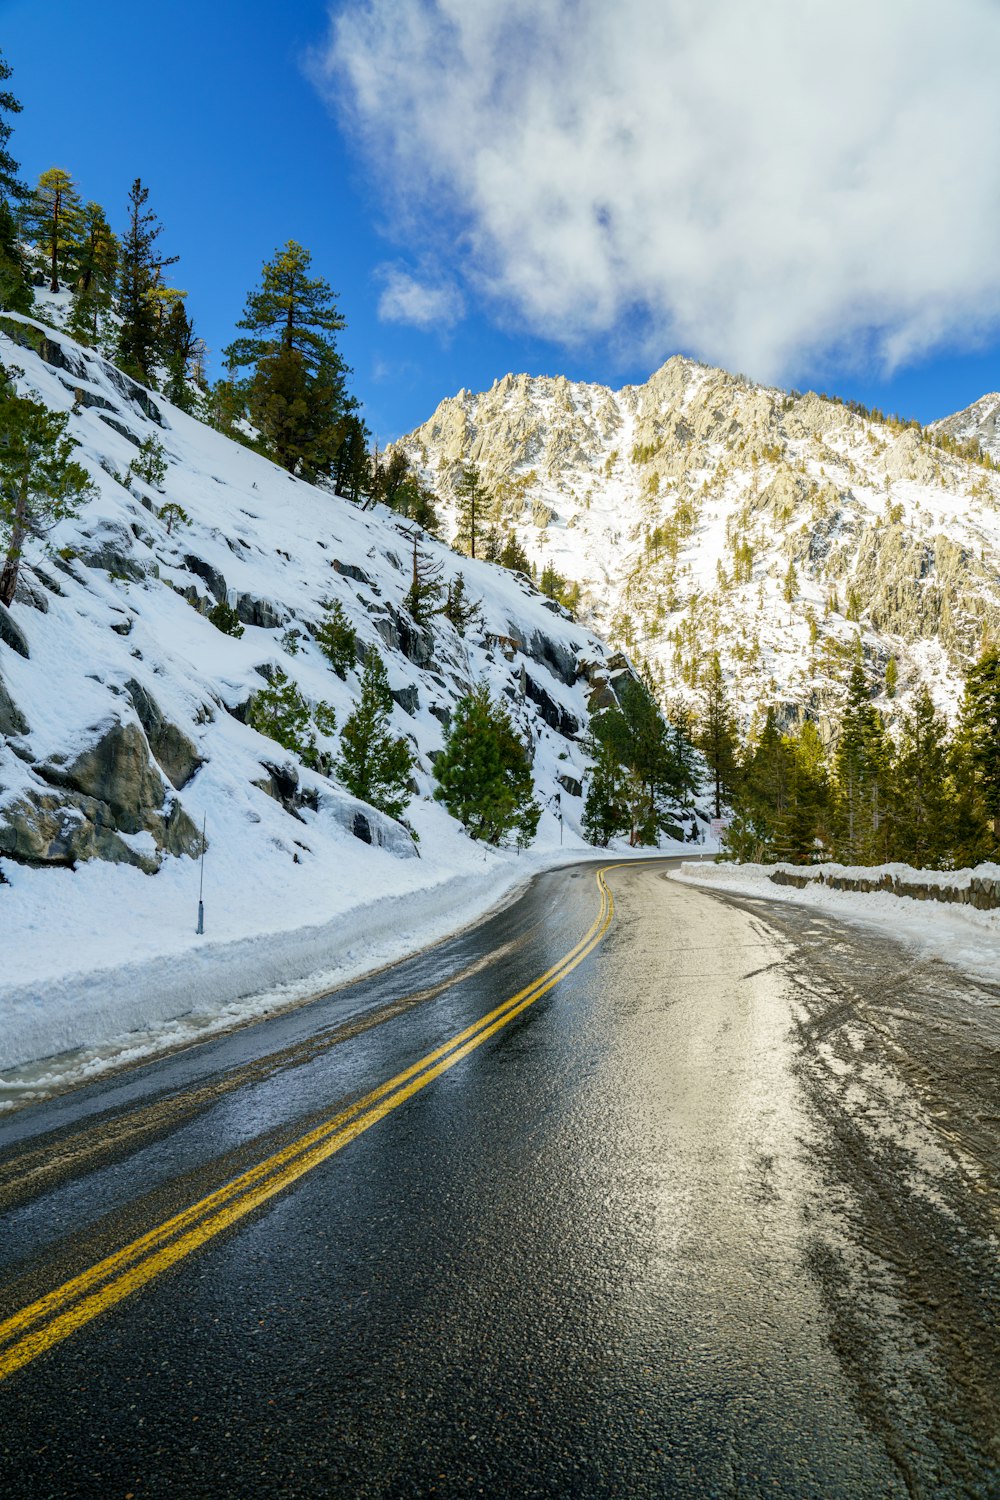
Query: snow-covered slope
(701, 512)
(978, 423)
(122, 707)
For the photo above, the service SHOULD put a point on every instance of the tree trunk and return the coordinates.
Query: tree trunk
(54, 284)
(12, 563)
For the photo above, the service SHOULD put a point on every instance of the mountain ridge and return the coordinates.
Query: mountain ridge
(687, 507)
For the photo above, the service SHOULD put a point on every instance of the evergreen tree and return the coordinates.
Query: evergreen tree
(373, 764)
(337, 640)
(40, 483)
(636, 738)
(421, 598)
(484, 772)
(351, 464)
(95, 274)
(716, 736)
(140, 278)
(52, 220)
(178, 343)
(863, 773)
(15, 281)
(756, 831)
(791, 584)
(607, 811)
(458, 608)
(297, 390)
(280, 712)
(925, 813)
(891, 677)
(981, 729)
(512, 555)
(472, 501)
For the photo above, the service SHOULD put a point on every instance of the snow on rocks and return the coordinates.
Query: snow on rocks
(124, 709)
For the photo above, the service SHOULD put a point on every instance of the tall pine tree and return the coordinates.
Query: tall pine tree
(374, 764)
(296, 393)
(15, 281)
(52, 220)
(140, 278)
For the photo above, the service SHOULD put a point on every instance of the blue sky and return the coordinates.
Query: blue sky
(544, 202)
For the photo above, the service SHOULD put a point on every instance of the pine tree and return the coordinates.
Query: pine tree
(512, 555)
(95, 273)
(297, 390)
(421, 598)
(607, 811)
(791, 584)
(716, 736)
(925, 813)
(484, 772)
(178, 343)
(891, 677)
(472, 501)
(458, 608)
(351, 469)
(280, 712)
(40, 483)
(981, 728)
(373, 764)
(863, 773)
(337, 640)
(52, 220)
(15, 281)
(140, 277)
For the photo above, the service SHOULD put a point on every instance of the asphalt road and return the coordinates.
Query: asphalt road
(706, 1205)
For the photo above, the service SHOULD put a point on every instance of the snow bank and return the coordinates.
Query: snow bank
(955, 934)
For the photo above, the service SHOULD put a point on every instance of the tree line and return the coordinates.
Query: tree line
(927, 795)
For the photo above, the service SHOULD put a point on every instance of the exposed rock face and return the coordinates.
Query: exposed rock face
(12, 721)
(260, 612)
(978, 423)
(107, 790)
(175, 752)
(11, 633)
(701, 513)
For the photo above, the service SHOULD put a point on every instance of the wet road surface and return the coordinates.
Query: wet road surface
(712, 1210)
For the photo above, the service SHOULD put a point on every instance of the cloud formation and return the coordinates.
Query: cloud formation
(767, 186)
(417, 302)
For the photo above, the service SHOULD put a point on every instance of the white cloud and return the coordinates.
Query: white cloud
(765, 185)
(418, 303)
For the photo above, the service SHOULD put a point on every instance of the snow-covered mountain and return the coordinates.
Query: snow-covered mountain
(701, 513)
(978, 423)
(123, 708)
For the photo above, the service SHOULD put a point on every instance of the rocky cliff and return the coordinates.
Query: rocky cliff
(702, 513)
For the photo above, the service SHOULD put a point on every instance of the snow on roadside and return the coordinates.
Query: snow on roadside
(958, 935)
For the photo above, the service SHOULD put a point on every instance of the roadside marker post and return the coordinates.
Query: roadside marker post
(200, 929)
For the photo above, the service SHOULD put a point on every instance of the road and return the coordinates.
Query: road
(632, 1190)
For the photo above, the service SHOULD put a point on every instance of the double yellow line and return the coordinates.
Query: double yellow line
(54, 1317)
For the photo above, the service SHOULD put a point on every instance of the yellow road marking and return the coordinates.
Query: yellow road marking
(76, 1302)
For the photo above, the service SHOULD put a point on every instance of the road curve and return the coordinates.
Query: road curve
(631, 1190)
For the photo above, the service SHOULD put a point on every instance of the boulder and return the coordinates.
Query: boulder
(11, 633)
(208, 574)
(110, 549)
(63, 828)
(12, 721)
(175, 753)
(260, 612)
(109, 788)
(407, 697)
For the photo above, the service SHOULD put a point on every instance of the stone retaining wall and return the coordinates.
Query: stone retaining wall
(981, 891)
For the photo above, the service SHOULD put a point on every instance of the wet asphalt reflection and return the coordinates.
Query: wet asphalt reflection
(714, 1216)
